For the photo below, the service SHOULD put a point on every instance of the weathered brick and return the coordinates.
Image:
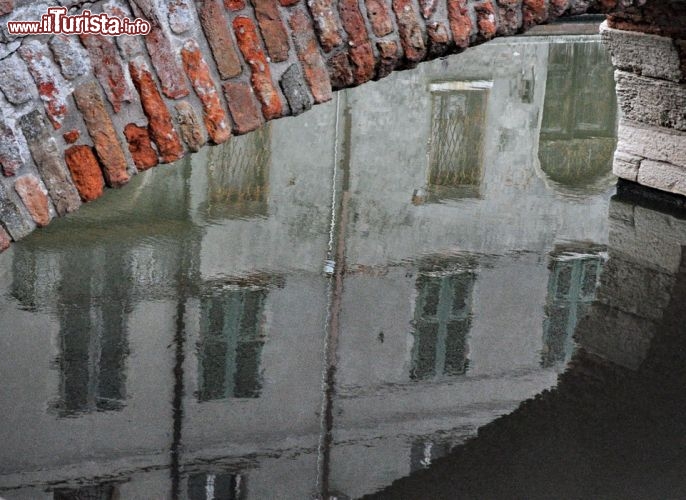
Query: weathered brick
(180, 15)
(361, 54)
(295, 90)
(509, 15)
(234, 4)
(15, 81)
(190, 128)
(427, 8)
(409, 30)
(51, 167)
(159, 120)
(92, 106)
(35, 197)
(460, 22)
(72, 136)
(216, 27)
(143, 154)
(340, 71)
(85, 171)
(130, 46)
(108, 68)
(272, 28)
(558, 7)
(70, 56)
(162, 54)
(261, 78)
(439, 38)
(288, 3)
(244, 110)
(316, 74)
(388, 57)
(163, 58)
(485, 20)
(53, 90)
(14, 216)
(10, 156)
(326, 23)
(534, 12)
(6, 6)
(379, 17)
(5, 239)
(199, 74)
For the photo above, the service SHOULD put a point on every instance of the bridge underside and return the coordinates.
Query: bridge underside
(79, 113)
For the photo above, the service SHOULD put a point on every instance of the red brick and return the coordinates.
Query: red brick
(52, 89)
(361, 54)
(100, 128)
(163, 58)
(85, 172)
(379, 17)
(326, 23)
(460, 22)
(340, 71)
(159, 118)
(558, 7)
(272, 28)
(508, 15)
(439, 38)
(199, 74)
(534, 12)
(190, 128)
(261, 77)
(485, 20)
(108, 68)
(244, 110)
(388, 57)
(288, 3)
(143, 154)
(234, 4)
(316, 74)
(5, 239)
(409, 29)
(216, 27)
(10, 157)
(6, 6)
(72, 136)
(427, 7)
(35, 198)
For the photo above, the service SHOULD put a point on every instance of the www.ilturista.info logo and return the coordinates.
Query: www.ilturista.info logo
(57, 21)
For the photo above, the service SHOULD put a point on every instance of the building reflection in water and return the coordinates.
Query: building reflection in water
(443, 315)
(579, 128)
(574, 274)
(194, 304)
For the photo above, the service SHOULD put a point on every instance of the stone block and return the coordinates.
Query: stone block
(651, 100)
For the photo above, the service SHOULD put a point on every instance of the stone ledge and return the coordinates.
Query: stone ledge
(643, 54)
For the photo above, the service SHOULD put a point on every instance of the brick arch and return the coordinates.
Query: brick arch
(79, 113)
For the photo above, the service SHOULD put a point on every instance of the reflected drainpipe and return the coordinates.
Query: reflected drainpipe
(335, 269)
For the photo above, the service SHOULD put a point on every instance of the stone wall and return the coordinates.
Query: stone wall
(648, 48)
(83, 112)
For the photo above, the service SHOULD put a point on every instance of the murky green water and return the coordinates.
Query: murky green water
(336, 301)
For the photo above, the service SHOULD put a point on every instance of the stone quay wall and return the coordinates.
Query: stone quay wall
(82, 112)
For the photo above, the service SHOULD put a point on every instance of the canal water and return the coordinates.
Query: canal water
(426, 288)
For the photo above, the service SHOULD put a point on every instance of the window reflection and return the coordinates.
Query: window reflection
(571, 290)
(238, 176)
(443, 315)
(458, 129)
(231, 340)
(105, 491)
(208, 486)
(577, 139)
